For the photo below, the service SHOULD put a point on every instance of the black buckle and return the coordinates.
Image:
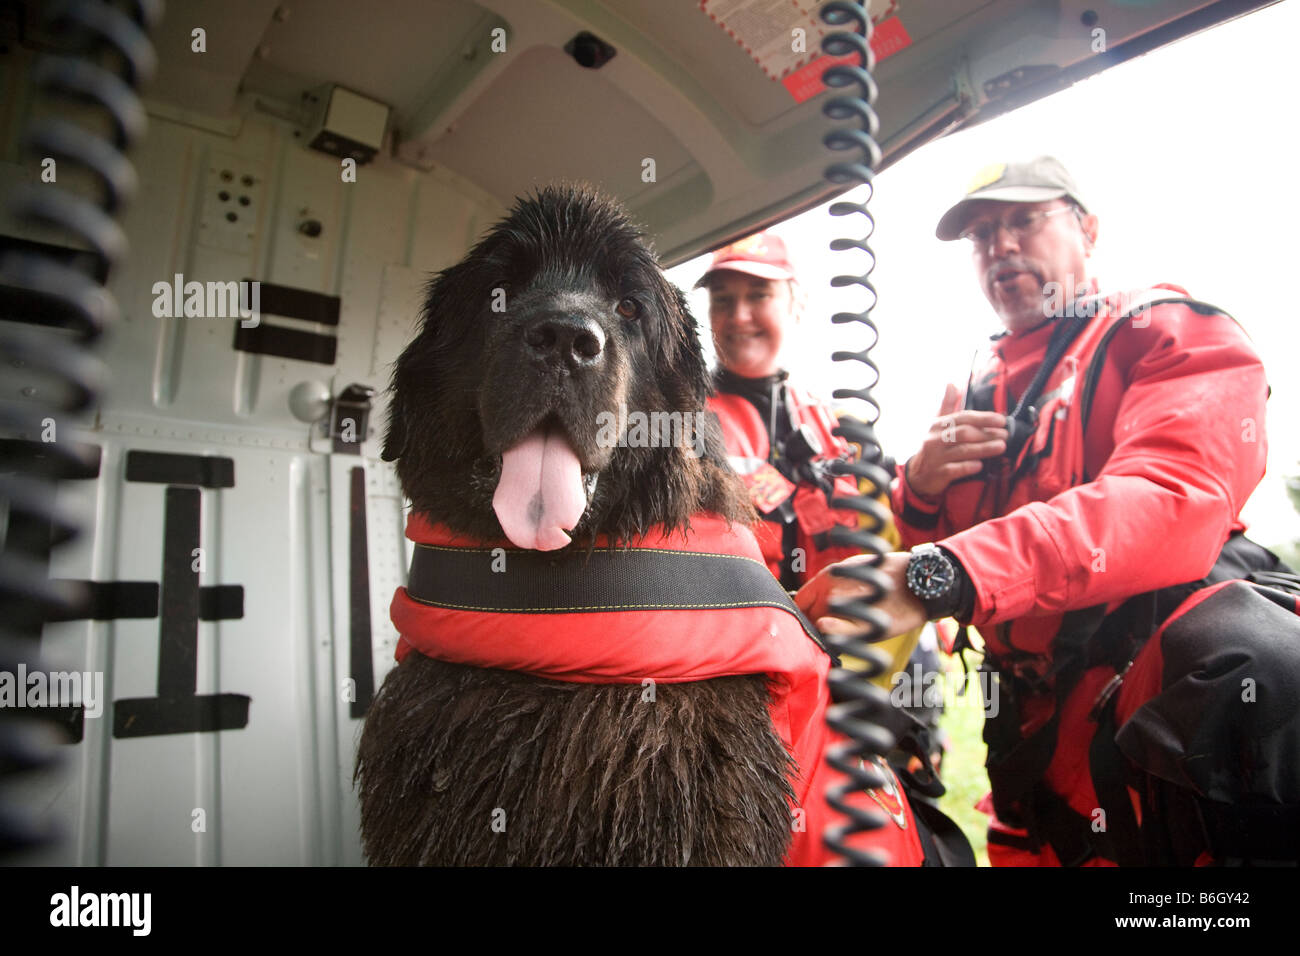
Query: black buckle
(350, 419)
(1030, 672)
(1019, 429)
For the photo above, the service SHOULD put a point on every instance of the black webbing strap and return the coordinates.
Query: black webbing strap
(942, 841)
(1017, 763)
(1022, 422)
(1109, 770)
(635, 579)
(1052, 821)
(1066, 331)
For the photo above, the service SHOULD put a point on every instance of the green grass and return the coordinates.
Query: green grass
(963, 764)
(1289, 553)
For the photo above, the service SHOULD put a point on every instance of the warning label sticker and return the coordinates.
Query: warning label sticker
(887, 38)
(784, 37)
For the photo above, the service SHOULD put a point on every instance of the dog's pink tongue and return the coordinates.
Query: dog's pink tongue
(540, 494)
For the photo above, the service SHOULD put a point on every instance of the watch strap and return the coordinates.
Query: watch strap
(958, 601)
(962, 598)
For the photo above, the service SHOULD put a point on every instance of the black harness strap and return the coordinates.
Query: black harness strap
(942, 840)
(635, 579)
(1110, 777)
(1087, 638)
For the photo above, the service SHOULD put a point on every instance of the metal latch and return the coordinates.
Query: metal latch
(350, 419)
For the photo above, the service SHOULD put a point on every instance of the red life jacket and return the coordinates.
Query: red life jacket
(1126, 399)
(748, 448)
(667, 646)
(1148, 441)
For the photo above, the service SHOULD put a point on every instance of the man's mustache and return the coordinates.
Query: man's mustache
(1011, 263)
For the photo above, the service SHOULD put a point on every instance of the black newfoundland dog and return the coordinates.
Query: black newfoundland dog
(557, 315)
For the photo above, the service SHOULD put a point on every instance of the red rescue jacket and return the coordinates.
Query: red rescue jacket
(1150, 438)
(749, 447)
(667, 646)
(1143, 498)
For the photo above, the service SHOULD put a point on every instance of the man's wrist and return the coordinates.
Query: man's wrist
(911, 488)
(964, 600)
(956, 599)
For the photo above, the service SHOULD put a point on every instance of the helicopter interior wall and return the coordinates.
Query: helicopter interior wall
(294, 553)
(256, 626)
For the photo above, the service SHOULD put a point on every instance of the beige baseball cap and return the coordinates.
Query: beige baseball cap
(1037, 180)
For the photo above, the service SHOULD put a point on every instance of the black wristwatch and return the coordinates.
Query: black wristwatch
(939, 582)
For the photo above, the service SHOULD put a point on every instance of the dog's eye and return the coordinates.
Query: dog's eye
(629, 308)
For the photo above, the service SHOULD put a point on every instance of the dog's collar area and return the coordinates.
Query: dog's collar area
(637, 579)
(450, 572)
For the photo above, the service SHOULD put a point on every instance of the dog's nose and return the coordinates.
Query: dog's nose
(570, 339)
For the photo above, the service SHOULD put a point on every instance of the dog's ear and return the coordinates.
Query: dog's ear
(399, 398)
(395, 439)
(687, 354)
(405, 383)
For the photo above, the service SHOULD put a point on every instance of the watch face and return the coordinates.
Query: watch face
(930, 574)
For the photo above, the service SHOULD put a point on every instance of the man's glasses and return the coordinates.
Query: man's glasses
(1023, 222)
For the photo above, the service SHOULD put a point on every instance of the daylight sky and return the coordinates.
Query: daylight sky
(1188, 156)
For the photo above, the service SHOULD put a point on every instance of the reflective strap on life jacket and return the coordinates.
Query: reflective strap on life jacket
(636, 579)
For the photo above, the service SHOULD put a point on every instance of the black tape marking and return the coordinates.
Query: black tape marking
(71, 718)
(115, 601)
(221, 602)
(156, 716)
(360, 647)
(177, 709)
(108, 601)
(297, 303)
(164, 468)
(178, 649)
(267, 339)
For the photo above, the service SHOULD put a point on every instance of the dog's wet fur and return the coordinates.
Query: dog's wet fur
(570, 774)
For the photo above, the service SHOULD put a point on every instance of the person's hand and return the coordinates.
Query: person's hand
(955, 447)
(904, 610)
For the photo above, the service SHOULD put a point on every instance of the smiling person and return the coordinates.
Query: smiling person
(1083, 511)
(778, 436)
(779, 440)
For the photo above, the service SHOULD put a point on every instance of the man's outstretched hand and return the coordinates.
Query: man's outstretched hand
(905, 611)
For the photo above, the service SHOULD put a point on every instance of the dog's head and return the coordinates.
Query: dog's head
(556, 386)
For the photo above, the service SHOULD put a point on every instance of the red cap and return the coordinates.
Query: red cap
(762, 255)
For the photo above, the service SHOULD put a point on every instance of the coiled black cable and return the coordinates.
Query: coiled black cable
(104, 55)
(857, 700)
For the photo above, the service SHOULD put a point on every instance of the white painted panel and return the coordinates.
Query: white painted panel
(278, 790)
(401, 296)
(311, 187)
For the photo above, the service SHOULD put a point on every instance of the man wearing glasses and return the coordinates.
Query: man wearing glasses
(1091, 481)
